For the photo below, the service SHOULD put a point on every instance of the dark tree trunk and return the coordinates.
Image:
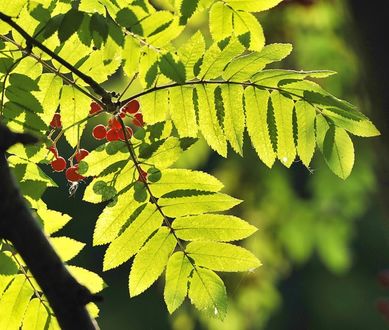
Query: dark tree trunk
(66, 296)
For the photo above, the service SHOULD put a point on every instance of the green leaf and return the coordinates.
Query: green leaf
(67, 248)
(52, 220)
(148, 67)
(36, 315)
(252, 5)
(131, 55)
(220, 21)
(242, 68)
(222, 257)
(100, 160)
(215, 227)
(50, 86)
(257, 123)
(181, 206)
(215, 60)
(167, 154)
(172, 68)
(87, 278)
(354, 125)
(208, 120)
(150, 262)
(338, 151)
(191, 52)
(5, 64)
(133, 238)
(98, 29)
(321, 130)
(208, 293)
(234, 119)
(177, 277)
(186, 8)
(70, 24)
(74, 108)
(283, 112)
(247, 24)
(155, 106)
(182, 179)
(8, 267)
(14, 302)
(305, 114)
(112, 218)
(182, 110)
(274, 77)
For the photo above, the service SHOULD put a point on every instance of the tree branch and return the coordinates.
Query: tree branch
(105, 96)
(66, 296)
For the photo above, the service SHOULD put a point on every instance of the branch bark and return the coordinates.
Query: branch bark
(66, 296)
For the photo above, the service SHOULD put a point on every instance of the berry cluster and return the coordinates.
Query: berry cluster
(114, 131)
(59, 164)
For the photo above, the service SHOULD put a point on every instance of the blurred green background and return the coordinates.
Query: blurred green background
(321, 240)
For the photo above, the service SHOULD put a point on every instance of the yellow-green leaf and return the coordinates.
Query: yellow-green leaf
(74, 108)
(246, 23)
(14, 302)
(208, 121)
(85, 277)
(338, 151)
(252, 5)
(112, 218)
(215, 227)
(36, 316)
(283, 112)
(257, 123)
(133, 238)
(182, 111)
(305, 114)
(220, 21)
(222, 257)
(242, 68)
(155, 106)
(181, 206)
(67, 248)
(208, 293)
(182, 179)
(234, 121)
(177, 277)
(150, 262)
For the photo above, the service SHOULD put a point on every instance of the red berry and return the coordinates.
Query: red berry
(142, 175)
(132, 107)
(95, 108)
(112, 135)
(114, 123)
(72, 175)
(122, 115)
(81, 154)
(138, 120)
(99, 132)
(121, 133)
(56, 121)
(58, 165)
(54, 150)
